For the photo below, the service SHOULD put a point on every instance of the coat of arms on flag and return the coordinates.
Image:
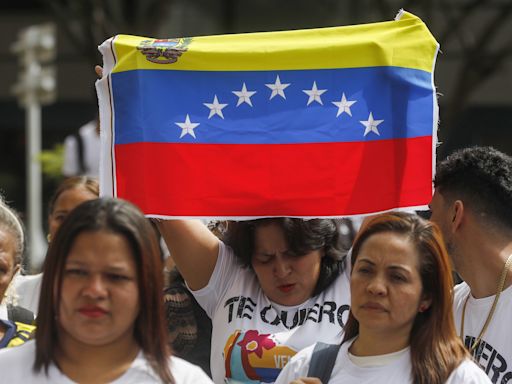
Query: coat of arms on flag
(323, 122)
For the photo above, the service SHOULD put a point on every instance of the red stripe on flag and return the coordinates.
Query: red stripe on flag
(325, 179)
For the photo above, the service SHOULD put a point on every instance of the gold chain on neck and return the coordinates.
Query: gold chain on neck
(501, 284)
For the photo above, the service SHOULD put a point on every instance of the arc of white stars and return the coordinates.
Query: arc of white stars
(344, 105)
(277, 88)
(314, 94)
(371, 125)
(187, 127)
(215, 108)
(244, 96)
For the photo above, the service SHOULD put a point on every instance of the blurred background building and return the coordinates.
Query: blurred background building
(473, 72)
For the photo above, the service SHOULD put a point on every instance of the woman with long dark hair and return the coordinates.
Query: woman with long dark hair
(100, 313)
(400, 328)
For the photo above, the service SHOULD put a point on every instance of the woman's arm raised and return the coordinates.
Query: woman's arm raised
(194, 249)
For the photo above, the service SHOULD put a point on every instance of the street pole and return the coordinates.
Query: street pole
(36, 86)
(37, 249)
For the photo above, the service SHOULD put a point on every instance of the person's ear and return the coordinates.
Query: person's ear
(16, 269)
(425, 304)
(457, 215)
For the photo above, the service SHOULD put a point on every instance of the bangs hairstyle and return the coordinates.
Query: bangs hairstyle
(85, 183)
(436, 350)
(124, 219)
(302, 236)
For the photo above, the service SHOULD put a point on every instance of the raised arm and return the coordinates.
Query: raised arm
(194, 249)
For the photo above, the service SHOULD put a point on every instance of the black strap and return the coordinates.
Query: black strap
(322, 361)
(20, 314)
(80, 153)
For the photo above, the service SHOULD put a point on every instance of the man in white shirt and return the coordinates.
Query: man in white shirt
(472, 205)
(82, 151)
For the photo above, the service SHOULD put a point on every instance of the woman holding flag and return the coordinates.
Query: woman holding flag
(271, 288)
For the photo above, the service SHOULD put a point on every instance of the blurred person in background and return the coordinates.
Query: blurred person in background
(82, 151)
(69, 194)
(190, 328)
(15, 321)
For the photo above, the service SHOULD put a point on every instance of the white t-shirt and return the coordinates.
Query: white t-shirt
(4, 314)
(28, 290)
(253, 338)
(494, 353)
(16, 367)
(396, 371)
(91, 152)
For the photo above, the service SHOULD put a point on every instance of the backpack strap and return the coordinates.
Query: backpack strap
(322, 361)
(20, 314)
(80, 153)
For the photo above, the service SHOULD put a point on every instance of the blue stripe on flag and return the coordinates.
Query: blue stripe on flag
(149, 103)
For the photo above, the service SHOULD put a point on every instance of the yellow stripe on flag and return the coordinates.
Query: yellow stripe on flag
(406, 42)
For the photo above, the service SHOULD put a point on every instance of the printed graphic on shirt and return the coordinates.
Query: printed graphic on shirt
(251, 357)
(491, 361)
(240, 307)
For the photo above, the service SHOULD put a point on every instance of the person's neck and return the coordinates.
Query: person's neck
(482, 263)
(91, 364)
(369, 343)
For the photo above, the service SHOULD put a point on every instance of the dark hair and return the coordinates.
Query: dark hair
(302, 236)
(122, 218)
(86, 183)
(436, 350)
(482, 178)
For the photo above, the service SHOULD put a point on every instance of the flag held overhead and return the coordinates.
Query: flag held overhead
(312, 123)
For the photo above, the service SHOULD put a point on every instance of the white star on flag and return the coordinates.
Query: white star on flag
(244, 96)
(277, 88)
(314, 94)
(187, 127)
(344, 105)
(371, 125)
(215, 107)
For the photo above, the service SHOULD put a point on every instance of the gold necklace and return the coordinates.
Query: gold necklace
(501, 284)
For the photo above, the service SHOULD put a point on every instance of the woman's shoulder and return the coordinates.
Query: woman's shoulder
(185, 372)
(468, 372)
(16, 363)
(25, 351)
(298, 366)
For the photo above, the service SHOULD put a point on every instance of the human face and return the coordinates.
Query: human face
(285, 278)
(386, 285)
(65, 203)
(99, 300)
(8, 266)
(440, 215)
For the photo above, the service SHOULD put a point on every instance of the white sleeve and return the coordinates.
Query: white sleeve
(298, 366)
(225, 271)
(70, 164)
(468, 373)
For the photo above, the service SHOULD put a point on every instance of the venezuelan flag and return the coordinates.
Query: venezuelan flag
(307, 123)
